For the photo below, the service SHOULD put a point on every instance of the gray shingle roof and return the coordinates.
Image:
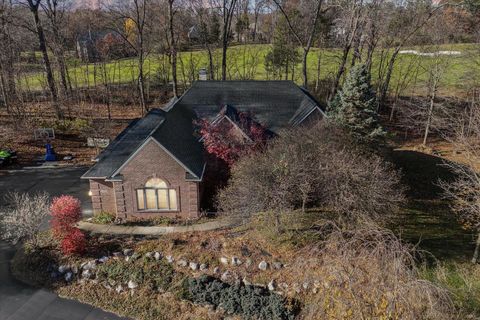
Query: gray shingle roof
(275, 104)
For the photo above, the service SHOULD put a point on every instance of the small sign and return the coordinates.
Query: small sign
(98, 142)
(202, 74)
(44, 134)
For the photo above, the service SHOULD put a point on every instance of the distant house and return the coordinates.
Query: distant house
(156, 166)
(90, 44)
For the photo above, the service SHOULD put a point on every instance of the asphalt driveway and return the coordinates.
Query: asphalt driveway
(19, 301)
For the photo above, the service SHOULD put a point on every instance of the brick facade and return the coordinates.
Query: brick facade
(119, 197)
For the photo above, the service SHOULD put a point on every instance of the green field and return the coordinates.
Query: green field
(248, 62)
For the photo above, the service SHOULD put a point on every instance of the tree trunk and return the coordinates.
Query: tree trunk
(141, 84)
(304, 67)
(173, 50)
(210, 63)
(388, 76)
(477, 249)
(224, 59)
(430, 114)
(46, 61)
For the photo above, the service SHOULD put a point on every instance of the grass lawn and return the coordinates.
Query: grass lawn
(248, 62)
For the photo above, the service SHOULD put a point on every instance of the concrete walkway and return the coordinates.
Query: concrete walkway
(158, 230)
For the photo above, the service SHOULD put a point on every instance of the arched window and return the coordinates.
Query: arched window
(157, 196)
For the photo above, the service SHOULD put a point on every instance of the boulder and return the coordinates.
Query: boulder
(119, 288)
(203, 267)
(193, 266)
(63, 268)
(148, 255)
(182, 263)
(90, 265)
(170, 259)
(305, 285)
(216, 270)
(87, 274)
(157, 255)
(68, 276)
(236, 261)
(271, 285)
(263, 265)
(246, 282)
(224, 260)
(132, 284)
(103, 259)
(127, 252)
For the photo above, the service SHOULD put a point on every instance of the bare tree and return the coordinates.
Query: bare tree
(173, 48)
(7, 54)
(228, 10)
(34, 6)
(25, 217)
(304, 39)
(464, 190)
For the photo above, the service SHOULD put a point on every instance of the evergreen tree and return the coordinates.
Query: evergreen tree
(354, 107)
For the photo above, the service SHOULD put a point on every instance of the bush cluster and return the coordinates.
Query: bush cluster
(251, 302)
(66, 211)
(104, 218)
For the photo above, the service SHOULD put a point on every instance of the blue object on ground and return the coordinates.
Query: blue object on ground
(50, 155)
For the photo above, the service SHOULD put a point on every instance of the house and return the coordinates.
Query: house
(156, 166)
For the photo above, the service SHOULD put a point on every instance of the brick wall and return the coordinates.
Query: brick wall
(153, 161)
(103, 198)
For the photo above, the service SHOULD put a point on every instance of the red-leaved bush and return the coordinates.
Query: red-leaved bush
(74, 242)
(65, 211)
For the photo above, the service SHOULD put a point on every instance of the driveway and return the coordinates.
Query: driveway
(19, 301)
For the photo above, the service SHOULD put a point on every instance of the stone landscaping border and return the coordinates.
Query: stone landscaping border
(158, 230)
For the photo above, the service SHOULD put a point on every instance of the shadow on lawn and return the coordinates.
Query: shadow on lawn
(427, 219)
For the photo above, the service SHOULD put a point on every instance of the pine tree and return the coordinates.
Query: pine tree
(354, 107)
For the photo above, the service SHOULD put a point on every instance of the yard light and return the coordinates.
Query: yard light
(90, 193)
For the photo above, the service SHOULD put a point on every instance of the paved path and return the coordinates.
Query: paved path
(158, 230)
(19, 301)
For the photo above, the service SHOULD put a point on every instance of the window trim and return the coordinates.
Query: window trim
(169, 209)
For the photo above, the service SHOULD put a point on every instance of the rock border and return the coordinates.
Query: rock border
(158, 230)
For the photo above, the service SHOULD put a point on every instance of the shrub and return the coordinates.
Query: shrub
(320, 166)
(103, 218)
(74, 242)
(65, 211)
(367, 273)
(153, 274)
(24, 219)
(251, 302)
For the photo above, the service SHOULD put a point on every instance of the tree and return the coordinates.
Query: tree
(354, 107)
(34, 5)
(229, 140)
(318, 166)
(228, 9)
(173, 48)
(464, 190)
(24, 219)
(305, 39)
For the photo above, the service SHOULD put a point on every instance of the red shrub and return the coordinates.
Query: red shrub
(74, 242)
(65, 211)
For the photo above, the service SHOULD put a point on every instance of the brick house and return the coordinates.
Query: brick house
(155, 167)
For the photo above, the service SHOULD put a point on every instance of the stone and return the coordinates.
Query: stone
(248, 262)
(203, 267)
(103, 259)
(63, 268)
(316, 284)
(277, 265)
(305, 285)
(271, 285)
(148, 255)
(119, 288)
(127, 258)
(182, 263)
(225, 276)
(132, 285)
(90, 265)
(127, 252)
(297, 288)
(236, 261)
(246, 282)
(224, 260)
(263, 265)
(74, 269)
(193, 266)
(170, 259)
(68, 276)
(87, 274)
(157, 255)
(117, 254)
(315, 290)
(216, 270)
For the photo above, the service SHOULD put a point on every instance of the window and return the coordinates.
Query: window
(156, 196)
